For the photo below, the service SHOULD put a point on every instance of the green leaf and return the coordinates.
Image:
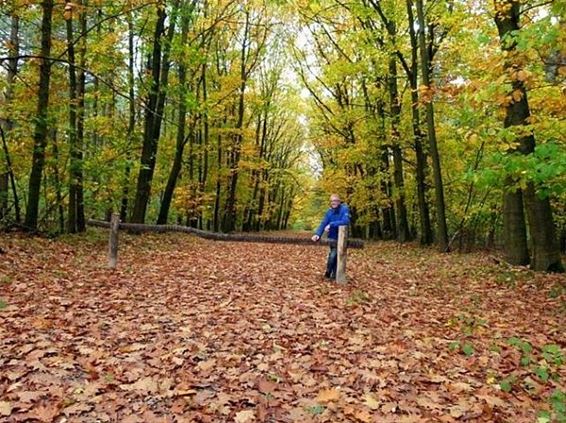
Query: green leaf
(553, 354)
(3, 304)
(453, 346)
(558, 401)
(315, 410)
(468, 349)
(506, 384)
(543, 417)
(542, 373)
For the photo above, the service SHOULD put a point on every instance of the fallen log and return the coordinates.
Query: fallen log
(138, 227)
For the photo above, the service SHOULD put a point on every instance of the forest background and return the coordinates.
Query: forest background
(437, 121)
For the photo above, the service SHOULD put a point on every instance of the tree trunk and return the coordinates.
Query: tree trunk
(12, 70)
(216, 218)
(40, 132)
(229, 221)
(131, 120)
(57, 181)
(441, 228)
(206, 130)
(181, 140)
(514, 229)
(72, 130)
(403, 234)
(149, 148)
(425, 237)
(546, 252)
(389, 224)
(81, 90)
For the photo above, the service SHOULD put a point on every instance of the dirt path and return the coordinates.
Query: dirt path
(192, 330)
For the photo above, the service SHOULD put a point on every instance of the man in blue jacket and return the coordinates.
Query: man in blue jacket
(337, 215)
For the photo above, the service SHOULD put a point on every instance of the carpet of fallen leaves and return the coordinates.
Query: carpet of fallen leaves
(188, 330)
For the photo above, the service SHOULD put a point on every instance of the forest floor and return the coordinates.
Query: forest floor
(189, 330)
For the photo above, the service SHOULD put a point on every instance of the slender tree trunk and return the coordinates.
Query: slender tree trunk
(403, 234)
(425, 237)
(57, 181)
(229, 221)
(441, 228)
(131, 120)
(149, 148)
(206, 130)
(546, 252)
(12, 71)
(256, 173)
(261, 203)
(181, 140)
(72, 129)
(388, 228)
(280, 210)
(81, 90)
(216, 217)
(40, 132)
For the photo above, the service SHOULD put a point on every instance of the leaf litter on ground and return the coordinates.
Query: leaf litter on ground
(192, 330)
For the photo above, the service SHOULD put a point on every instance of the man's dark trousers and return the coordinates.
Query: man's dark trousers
(331, 263)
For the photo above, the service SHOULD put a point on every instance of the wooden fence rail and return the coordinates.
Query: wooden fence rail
(138, 227)
(341, 244)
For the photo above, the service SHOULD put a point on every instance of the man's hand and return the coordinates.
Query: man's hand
(327, 228)
(315, 238)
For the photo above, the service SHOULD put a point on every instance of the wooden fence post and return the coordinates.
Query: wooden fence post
(342, 254)
(113, 243)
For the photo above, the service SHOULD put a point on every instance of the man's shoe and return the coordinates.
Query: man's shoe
(327, 275)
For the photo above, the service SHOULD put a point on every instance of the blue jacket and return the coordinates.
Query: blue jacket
(334, 217)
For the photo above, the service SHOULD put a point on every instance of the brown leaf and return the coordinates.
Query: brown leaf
(206, 365)
(389, 407)
(245, 416)
(328, 395)
(30, 396)
(5, 408)
(492, 401)
(428, 403)
(266, 386)
(146, 384)
(44, 413)
(371, 402)
(77, 408)
(133, 418)
(363, 416)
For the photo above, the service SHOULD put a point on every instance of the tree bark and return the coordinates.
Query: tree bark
(12, 71)
(72, 129)
(81, 90)
(514, 229)
(149, 148)
(545, 249)
(403, 233)
(229, 221)
(181, 141)
(425, 233)
(441, 228)
(40, 132)
(131, 120)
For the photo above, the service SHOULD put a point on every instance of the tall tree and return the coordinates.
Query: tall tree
(181, 139)
(40, 133)
(545, 249)
(7, 178)
(150, 141)
(249, 58)
(440, 208)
